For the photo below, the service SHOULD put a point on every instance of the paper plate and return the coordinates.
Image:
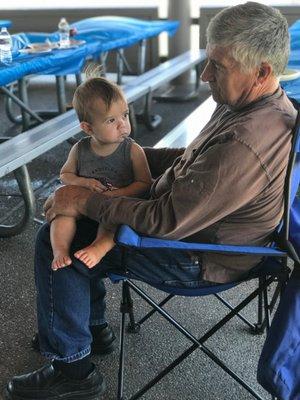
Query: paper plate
(34, 48)
(73, 43)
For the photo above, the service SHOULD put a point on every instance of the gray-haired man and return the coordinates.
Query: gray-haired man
(226, 187)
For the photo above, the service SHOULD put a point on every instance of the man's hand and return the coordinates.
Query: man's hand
(67, 200)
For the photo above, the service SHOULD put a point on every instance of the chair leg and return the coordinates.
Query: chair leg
(150, 313)
(267, 308)
(121, 350)
(126, 307)
(239, 315)
(132, 327)
(197, 343)
(259, 325)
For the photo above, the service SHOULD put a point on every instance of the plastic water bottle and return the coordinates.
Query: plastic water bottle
(5, 47)
(64, 33)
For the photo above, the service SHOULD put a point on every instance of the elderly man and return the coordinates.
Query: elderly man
(226, 187)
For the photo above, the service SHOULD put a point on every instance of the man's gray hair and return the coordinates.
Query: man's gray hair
(255, 32)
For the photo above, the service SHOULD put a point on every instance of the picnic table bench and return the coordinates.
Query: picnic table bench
(16, 152)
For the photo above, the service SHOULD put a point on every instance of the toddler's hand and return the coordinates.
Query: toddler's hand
(111, 192)
(94, 185)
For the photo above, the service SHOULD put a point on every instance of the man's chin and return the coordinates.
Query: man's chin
(216, 98)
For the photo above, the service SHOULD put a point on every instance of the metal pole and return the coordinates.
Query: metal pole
(61, 94)
(181, 42)
(142, 57)
(21, 104)
(24, 98)
(120, 65)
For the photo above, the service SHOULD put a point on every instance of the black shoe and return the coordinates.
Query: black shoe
(103, 341)
(48, 383)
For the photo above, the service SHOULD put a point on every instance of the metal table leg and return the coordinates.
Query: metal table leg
(24, 183)
(151, 121)
(102, 60)
(78, 79)
(142, 56)
(61, 94)
(61, 98)
(120, 65)
(21, 104)
(16, 119)
(24, 98)
(133, 122)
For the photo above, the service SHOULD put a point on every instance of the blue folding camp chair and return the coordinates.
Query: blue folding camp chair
(273, 268)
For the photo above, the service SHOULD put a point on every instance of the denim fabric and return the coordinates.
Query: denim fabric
(71, 299)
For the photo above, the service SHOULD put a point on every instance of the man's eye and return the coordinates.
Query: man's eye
(110, 121)
(218, 67)
(215, 66)
(126, 115)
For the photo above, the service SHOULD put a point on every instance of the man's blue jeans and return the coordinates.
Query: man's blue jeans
(71, 299)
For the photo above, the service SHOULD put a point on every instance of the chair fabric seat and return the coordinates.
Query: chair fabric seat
(269, 266)
(127, 237)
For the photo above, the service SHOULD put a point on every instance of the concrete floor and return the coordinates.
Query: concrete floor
(149, 350)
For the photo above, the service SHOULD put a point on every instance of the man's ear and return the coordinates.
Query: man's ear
(86, 127)
(264, 72)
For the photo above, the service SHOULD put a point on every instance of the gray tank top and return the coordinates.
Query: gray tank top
(115, 169)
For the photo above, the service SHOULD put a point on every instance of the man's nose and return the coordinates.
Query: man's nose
(207, 74)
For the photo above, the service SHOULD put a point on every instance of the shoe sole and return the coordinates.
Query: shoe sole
(70, 396)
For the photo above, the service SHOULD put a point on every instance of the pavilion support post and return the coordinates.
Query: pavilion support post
(181, 41)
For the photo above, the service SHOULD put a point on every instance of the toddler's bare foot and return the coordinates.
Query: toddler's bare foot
(61, 259)
(90, 255)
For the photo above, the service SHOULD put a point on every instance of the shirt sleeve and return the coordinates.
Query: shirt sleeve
(221, 180)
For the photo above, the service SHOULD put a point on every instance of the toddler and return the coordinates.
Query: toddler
(106, 161)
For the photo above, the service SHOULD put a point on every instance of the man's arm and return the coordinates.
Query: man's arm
(223, 179)
(73, 200)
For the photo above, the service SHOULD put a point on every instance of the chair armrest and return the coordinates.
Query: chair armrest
(127, 237)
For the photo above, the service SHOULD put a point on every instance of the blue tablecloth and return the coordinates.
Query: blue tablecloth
(107, 33)
(56, 62)
(100, 34)
(113, 27)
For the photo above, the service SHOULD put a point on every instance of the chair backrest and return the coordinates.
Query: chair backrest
(292, 181)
